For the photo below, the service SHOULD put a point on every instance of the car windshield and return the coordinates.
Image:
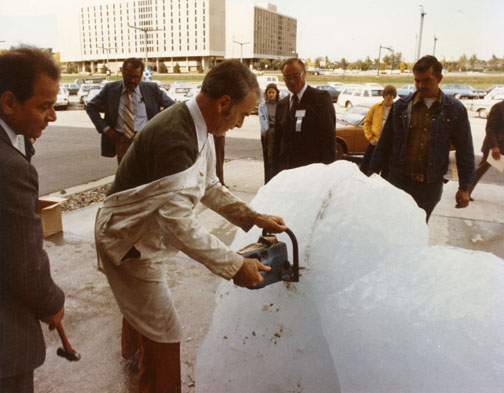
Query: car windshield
(376, 93)
(354, 116)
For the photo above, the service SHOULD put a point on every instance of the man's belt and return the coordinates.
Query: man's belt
(418, 177)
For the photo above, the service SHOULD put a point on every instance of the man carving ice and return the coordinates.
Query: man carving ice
(149, 217)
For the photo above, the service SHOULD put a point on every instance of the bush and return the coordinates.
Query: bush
(176, 69)
(72, 68)
(162, 68)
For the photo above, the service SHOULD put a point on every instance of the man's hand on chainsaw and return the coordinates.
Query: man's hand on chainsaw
(272, 224)
(248, 275)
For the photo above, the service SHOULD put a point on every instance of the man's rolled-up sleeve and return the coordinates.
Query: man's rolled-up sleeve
(182, 230)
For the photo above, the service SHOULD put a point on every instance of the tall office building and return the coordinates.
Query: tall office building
(255, 32)
(190, 33)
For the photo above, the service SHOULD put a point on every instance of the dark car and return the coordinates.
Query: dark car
(333, 92)
(350, 139)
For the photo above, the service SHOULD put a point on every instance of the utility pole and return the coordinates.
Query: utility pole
(107, 50)
(145, 30)
(241, 48)
(422, 14)
(434, 50)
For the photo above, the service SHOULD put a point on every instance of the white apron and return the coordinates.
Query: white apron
(158, 220)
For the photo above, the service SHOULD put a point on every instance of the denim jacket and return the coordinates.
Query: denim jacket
(449, 126)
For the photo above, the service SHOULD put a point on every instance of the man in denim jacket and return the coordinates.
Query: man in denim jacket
(417, 137)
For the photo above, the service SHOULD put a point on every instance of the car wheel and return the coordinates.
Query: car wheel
(340, 150)
(482, 113)
(348, 105)
(457, 96)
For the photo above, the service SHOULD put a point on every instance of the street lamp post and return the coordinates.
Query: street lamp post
(422, 14)
(145, 30)
(379, 57)
(434, 50)
(107, 50)
(241, 48)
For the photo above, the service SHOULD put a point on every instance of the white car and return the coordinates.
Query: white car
(178, 92)
(360, 95)
(62, 99)
(85, 89)
(92, 94)
(484, 105)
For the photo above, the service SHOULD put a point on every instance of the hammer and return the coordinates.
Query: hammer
(67, 351)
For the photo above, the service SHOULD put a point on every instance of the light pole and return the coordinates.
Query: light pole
(422, 14)
(145, 30)
(434, 50)
(379, 57)
(241, 48)
(107, 50)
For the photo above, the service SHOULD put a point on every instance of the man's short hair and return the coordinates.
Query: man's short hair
(426, 62)
(230, 78)
(20, 67)
(293, 60)
(389, 90)
(135, 63)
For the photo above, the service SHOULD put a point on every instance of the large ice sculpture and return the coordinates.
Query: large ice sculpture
(376, 308)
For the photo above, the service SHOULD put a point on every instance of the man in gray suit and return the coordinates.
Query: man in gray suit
(146, 100)
(28, 90)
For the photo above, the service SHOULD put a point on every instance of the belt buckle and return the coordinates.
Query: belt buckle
(418, 177)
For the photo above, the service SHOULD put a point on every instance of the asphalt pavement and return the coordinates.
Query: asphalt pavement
(92, 319)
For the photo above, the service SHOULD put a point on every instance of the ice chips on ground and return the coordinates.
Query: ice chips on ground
(376, 308)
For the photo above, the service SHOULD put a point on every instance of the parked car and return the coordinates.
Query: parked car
(72, 88)
(406, 90)
(484, 105)
(92, 94)
(480, 93)
(350, 139)
(178, 92)
(360, 95)
(494, 87)
(62, 99)
(333, 92)
(459, 91)
(85, 89)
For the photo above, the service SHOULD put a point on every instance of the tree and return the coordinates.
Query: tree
(494, 63)
(162, 68)
(402, 67)
(473, 61)
(343, 63)
(176, 69)
(462, 63)
(72, 68)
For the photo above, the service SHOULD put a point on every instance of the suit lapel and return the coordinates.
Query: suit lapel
(4, 138)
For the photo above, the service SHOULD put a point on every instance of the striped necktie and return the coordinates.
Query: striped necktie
(129, 118)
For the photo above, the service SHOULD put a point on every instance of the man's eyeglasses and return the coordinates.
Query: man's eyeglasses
(293, 77)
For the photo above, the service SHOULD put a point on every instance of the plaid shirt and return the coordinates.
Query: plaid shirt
(418, 137)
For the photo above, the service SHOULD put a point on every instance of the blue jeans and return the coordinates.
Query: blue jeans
(426, 195)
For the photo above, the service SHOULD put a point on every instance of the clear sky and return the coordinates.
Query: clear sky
(337, 28)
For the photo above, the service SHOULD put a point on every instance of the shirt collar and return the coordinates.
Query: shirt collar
(417, 98)
(136, 90)
(300, 93)
(10, 133)
(199, 122)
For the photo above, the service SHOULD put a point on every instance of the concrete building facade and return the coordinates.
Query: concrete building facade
(255, 32)
(190, 33)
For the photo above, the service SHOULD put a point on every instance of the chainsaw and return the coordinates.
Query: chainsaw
(273, 253)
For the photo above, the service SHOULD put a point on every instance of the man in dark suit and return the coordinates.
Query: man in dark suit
(28, 90)
(305, 123)
(146, 100)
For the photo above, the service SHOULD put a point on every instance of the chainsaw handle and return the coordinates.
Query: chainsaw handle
(295, 277)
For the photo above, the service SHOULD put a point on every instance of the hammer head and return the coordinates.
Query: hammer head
(71, 356)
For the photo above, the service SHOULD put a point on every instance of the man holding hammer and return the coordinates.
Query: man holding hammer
(28, 90)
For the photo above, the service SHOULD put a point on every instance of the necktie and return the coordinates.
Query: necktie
(294, 105)
(129, 118)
